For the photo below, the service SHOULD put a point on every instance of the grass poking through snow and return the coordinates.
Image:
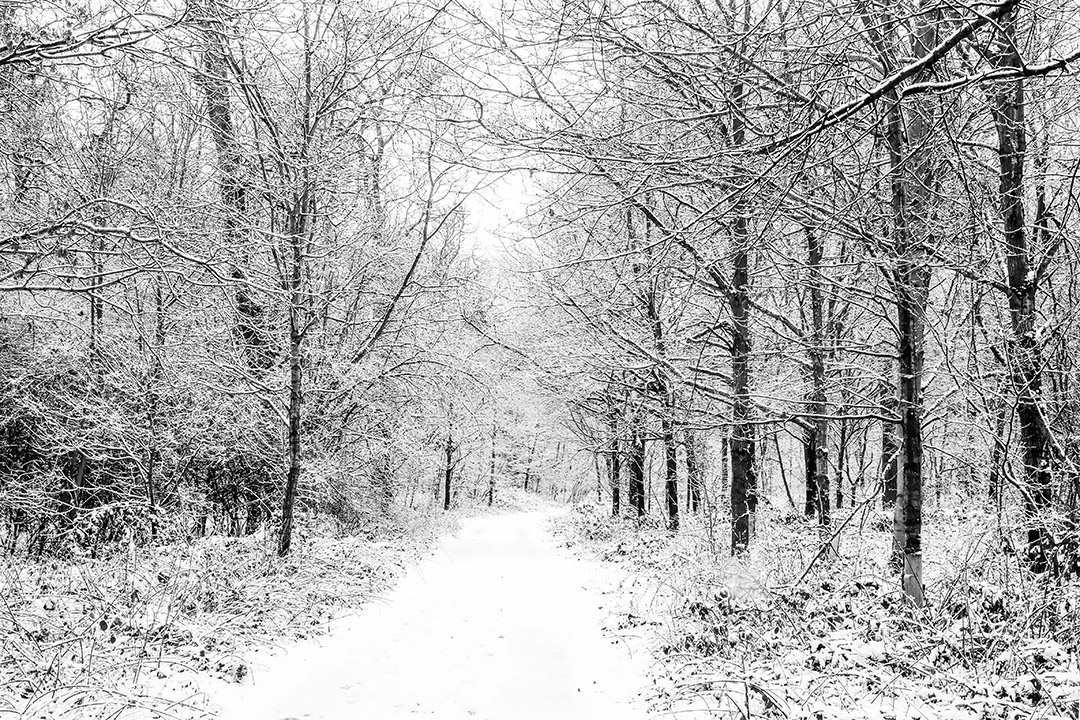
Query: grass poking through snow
(759, 636)
(132, 635)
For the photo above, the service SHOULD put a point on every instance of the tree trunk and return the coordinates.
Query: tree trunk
(600, 476)
(213, 79)
(694, 479)
(297, 238)
(528, 464)
(613, 463)
(637, 470)
(743, 455)
(491, 475)
(912, 180)
(818, 399)
(743, 470)
(293, 478)
(841, 455)
(383, 476)
(725, 463)
(744, 486)
(448, 471)
(907, 524)
(671, 477)
(810, 507)
(154, 401)
(299, 223)
(1007, 107)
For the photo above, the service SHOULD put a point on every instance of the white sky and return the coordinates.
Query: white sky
(497, 212)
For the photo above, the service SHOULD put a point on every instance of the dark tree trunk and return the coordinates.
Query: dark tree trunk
(613, 465)
(810, 507)
(912, 180)
(383, 475)
(821, 465)
(154, 401)
(600, 476)
(907, 531)
(671, 477)
(528, 465)
(637, 470)
(694, 478)
(491, 475)
(743, 455)
(234, 195)
(292, 480)
(841, 456)
(818, 399)
(1007, 107)
(744, 482)
(298, 225)
(725, 463)
(448, 470)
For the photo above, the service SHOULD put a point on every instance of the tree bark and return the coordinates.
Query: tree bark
(666, 392)
(297, 237)
(725, 462)
(810, 506)
(233, 189)
(671, 481)
(491, 475)
(613, 459)
(907, 523)
(694, 479)
(743, 455)
(599, 475)
(157, 377)
(1008, 109)
(912, 181)
(448, 470)
(744, 486)
(637, 470)
(841, 456)
(528, 464)
(299, 223)
(818, 398)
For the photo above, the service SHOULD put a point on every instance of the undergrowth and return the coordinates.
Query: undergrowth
(787, 631)
(507, 500)
(132, 635)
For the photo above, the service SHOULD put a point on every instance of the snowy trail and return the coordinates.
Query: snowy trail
(499, 625)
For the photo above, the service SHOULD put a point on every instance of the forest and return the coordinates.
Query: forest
(769, 305)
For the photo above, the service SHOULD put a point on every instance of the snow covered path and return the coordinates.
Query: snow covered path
(499, 625)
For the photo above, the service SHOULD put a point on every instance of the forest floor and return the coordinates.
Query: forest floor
(145, 632)
(792, 633)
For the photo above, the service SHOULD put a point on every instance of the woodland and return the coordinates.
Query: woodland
(780, 294)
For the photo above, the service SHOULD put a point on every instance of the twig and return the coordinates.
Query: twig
(827, 544)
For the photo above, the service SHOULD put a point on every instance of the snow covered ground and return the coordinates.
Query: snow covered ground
(501, 624)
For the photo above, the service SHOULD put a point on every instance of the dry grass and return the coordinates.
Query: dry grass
(761, 636)
(131, 635)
